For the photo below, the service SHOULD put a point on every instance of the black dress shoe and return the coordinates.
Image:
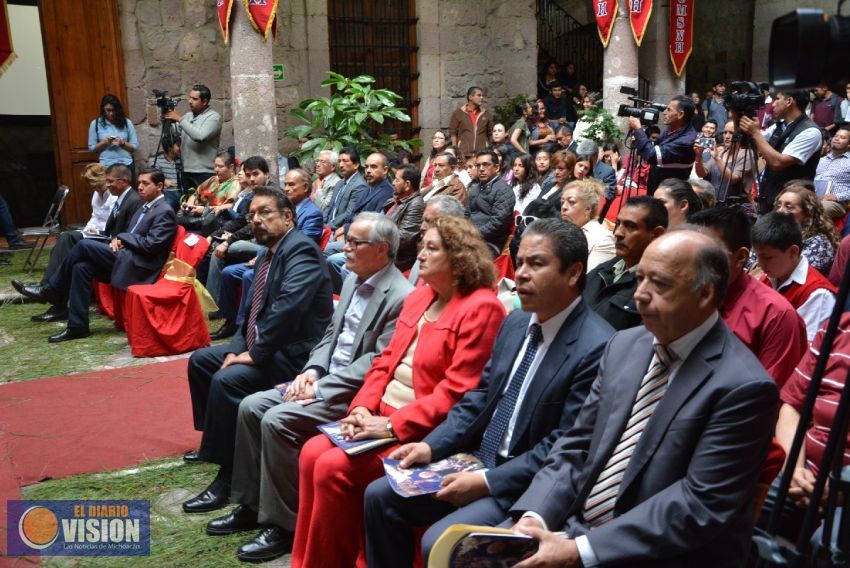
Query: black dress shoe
(40, 293)
(20, 245)
(69, 333)
(213, 498)
(242, 518)
(229, 329)
(272, 543)
(192, 457)
(19, 285)
(53, 313)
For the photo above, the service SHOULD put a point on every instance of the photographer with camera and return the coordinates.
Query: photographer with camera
(790, 148)
(726, 166)
(201, 130)
(672, 155)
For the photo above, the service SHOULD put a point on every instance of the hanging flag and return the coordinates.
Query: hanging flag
(7, 52)
(681, 33)
(639, 13)
(224, 10)
(605, 11)
(262, 14)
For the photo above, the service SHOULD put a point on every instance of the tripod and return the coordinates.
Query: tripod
(634, 177)
(777, 550)
(168, 136)
(738, 196)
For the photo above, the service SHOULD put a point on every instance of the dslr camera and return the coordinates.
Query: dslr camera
(744, 97)
(644, 110)
(163, 101)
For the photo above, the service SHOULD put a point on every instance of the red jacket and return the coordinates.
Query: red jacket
(447, 362)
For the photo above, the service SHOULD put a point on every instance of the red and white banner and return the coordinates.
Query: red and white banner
(224, 7)
(639, 13)
(605, 12)
(681, 33)
(7, 52)
(262, 14)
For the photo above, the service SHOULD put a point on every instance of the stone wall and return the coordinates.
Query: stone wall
(491, 43)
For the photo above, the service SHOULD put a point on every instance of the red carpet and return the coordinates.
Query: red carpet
(100, 421)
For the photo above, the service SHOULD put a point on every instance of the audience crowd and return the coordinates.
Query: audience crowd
(620, 344)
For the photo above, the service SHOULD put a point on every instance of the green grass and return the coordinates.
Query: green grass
(177, 539)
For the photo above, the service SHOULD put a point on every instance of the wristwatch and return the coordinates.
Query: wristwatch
(390, 429)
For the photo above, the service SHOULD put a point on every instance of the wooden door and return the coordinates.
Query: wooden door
(82, 50)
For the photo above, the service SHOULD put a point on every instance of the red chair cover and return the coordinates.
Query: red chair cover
(326, 236)
(165, 318)
(505, 266)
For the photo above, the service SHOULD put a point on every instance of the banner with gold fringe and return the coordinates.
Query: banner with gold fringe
(224, 8)
(7, 52)
(605, 12)
(639, 14)
(262, 14)
(681, 33)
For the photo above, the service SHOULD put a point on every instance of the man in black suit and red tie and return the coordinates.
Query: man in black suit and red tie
(132, 257)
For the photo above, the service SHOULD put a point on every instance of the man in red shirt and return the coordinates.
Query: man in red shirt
(778, 240)
(759, 316)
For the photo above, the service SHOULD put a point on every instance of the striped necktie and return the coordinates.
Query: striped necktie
(142, 213)
(495, 432)
(259, 286)
(599, 506)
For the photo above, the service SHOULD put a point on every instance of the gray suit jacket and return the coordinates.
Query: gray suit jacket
(348, 195)
(373, 335)
(687, 495)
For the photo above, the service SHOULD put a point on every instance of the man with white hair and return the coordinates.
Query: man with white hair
(326, 179)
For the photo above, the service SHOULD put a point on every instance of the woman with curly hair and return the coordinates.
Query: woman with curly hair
(820, 240)
(443, 338)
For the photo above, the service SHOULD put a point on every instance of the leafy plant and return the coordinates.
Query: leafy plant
(602, 127)
(348, 118)
(505, 112)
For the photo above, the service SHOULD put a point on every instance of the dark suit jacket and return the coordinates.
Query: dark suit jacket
(606, 174)
(347, 200)
(370, 200)
(120, 222)
(296, 307)
(146, 249)
(614, 301)
(551, 404)
(687, 495)
(408, 218)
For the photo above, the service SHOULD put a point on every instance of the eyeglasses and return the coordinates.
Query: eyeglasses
(483, 165)
(357, 242)
(262, 214)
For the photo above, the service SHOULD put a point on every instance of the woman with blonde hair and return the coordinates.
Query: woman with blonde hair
(580, 206)
(820, 240)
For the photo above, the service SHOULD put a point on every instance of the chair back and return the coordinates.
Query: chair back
(51, 220)
(192, 254)
(326, 236)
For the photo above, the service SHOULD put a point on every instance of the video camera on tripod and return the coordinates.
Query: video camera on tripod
(644, 110)
(163, 101)
(745, 98)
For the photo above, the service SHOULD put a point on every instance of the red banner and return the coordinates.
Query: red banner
(7, 53)
(605, 12)
(639, 13)
(681, 33)
(262, 14)
(224, 8)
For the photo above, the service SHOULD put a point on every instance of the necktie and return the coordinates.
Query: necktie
(145, 209)
(495, 431)
(114, 211)
(599, 507)
(337, 197)
(259, 286)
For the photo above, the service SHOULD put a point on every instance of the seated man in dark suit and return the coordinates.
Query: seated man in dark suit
(270, 430)
(544, 361)
(135, 256)
(661, 466)
(118, 178)
(347, 190)
(291, 305)
(611, 285)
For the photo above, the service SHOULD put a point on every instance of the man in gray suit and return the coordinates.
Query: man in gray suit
(661, 466)
(347, 190)
(271, 428)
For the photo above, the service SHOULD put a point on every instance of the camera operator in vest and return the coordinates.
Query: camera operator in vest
(672, 155)
(790, 148)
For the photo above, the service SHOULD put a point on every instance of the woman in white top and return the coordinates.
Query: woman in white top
(584, 122)
(525, 186)
(580, 206)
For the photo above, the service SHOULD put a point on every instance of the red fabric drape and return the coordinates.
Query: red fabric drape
(605, 12)
(7, 52)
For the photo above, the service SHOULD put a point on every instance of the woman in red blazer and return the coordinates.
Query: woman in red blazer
(443, 338)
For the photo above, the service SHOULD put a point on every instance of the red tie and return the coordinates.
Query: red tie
(259, 285)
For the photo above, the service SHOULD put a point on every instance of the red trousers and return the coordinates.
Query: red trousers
(329, 531)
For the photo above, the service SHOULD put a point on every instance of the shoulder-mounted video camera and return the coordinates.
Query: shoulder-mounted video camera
(644, 110)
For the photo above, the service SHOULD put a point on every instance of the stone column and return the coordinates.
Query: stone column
(656, 65)
(620, 65)
(252, 91)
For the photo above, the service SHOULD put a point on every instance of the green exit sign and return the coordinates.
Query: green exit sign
(277, 71)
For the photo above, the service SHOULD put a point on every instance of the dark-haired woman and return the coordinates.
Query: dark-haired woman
(525, 186)
(111, 135)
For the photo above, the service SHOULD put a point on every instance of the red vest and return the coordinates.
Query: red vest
(797, 294)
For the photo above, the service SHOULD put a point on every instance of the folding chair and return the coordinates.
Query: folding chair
(50, 227)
